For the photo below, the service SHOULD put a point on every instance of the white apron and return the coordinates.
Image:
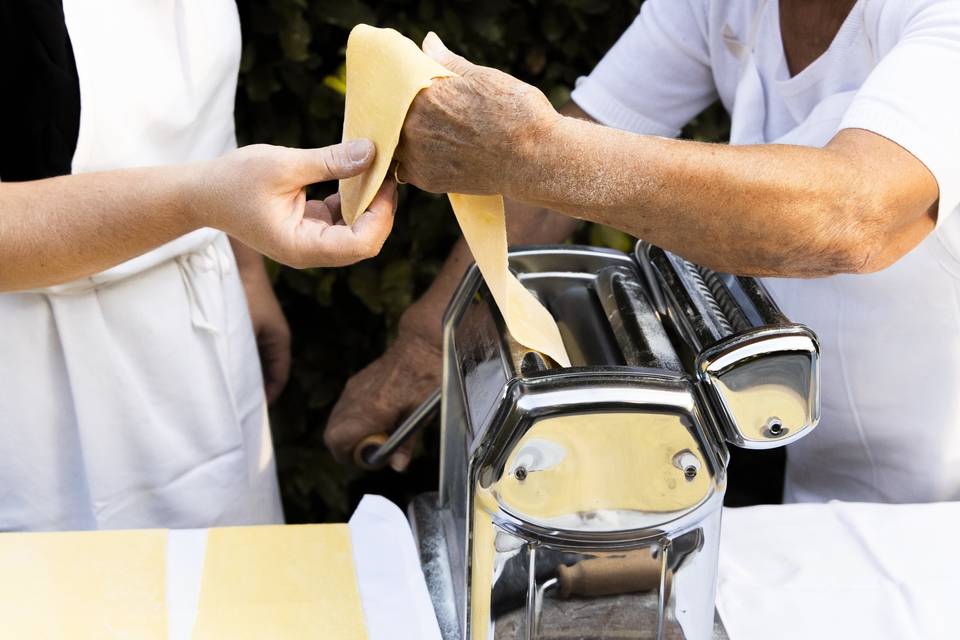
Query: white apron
(134, 398)
(890, 341)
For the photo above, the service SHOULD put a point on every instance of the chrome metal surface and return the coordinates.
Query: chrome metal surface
(635, 611)
(427, 522)
(602, 483)
(767, 377)
(755, 366)
(662, 587)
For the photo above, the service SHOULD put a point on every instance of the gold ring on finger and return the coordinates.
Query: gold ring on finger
(396, 168)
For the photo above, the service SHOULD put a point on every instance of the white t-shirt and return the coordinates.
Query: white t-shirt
(890, 428)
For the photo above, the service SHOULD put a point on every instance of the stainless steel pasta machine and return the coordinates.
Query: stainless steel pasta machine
(585, 502)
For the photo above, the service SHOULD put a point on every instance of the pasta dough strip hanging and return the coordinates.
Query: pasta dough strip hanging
(385, 71)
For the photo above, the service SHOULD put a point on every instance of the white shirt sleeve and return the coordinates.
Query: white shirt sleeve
(657, 76)
(912, 96)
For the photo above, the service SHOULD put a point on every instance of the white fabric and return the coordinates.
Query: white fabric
(134, 404)
(186, 549)
(134, 398)
(396, 603)
(393, 592)
(838, 571)
(890, 341)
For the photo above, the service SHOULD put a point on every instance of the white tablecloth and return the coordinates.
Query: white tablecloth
(841, 570)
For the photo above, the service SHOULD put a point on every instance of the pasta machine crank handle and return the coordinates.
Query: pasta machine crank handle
(375, 450)
(610, 576)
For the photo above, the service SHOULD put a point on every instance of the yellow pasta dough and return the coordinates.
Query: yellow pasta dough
(91, 584)
(290, 582)
(385, 71)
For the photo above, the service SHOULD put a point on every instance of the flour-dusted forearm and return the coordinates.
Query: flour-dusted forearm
(856, 205)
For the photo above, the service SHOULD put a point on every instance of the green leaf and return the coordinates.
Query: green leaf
(344, 14)
(248, 57)
(295, 38)
(364, 283)
(604, 236)
(260, 84)
(396, 285)
(323, 289)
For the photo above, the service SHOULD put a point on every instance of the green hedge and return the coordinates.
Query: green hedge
(342, 319)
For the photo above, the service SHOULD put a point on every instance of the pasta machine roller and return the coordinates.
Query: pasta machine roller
(585, 501)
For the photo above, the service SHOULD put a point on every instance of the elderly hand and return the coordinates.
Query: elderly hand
(469, 134)
(377, 398)
(257, 195)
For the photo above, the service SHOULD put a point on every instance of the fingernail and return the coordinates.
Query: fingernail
(399, 461)
(433, 44)
(358, 150)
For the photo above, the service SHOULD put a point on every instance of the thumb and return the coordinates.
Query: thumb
(400, 459)
(336, 161)
(434, 47)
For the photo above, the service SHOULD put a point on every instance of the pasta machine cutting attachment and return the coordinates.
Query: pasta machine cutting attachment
(757, 368)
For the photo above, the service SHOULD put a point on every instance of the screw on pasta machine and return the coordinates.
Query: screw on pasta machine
(774, 427)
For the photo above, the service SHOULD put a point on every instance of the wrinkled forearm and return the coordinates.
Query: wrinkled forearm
(761, 210)
(59, 229)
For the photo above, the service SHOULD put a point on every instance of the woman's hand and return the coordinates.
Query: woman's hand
(469, 134)
(59, 229)
(257, 195)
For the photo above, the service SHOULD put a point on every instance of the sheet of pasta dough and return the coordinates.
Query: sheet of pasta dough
(83, 585)
(294, 581)
(385, 71)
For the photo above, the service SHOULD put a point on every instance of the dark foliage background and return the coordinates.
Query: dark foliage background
(290, 93)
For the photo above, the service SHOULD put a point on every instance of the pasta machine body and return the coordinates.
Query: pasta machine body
(590, 497)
